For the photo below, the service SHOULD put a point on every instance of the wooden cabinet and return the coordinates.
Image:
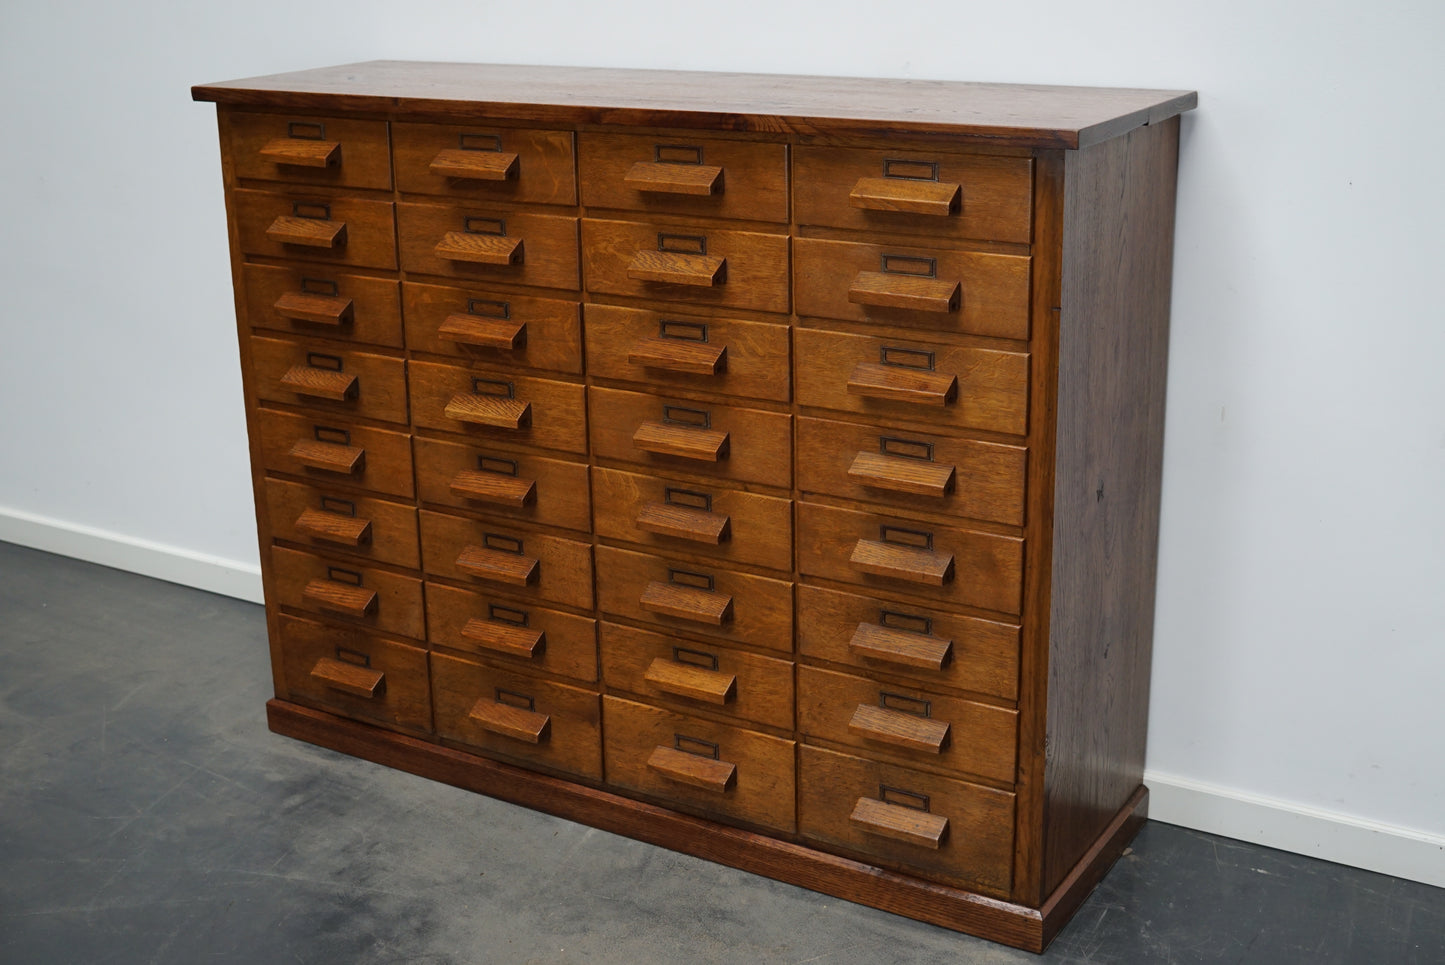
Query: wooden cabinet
(763, 467)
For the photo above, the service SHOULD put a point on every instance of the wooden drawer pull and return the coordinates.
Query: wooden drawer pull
(334, 527)
(349, 678)
(900, 823)
(309, 232)
(900, 729)
(663, 178)
(329, 456)
(891, 290)
(685, 680)
(691, 603)
(479, 249)
(899, 383)
(692, 769)
(513, 641)
(899, 474)
(912, 563)
(684, 522)
(489, 410)
(499, 565)
(338, 597)
(687, 442)
(500, 333)
(907, 195)
(302, 152)
(474, 165)
(496, 488)
(518, 723)
(887, 645)
(679, 355)
(678, 268)
(318, 309)
(318, 383)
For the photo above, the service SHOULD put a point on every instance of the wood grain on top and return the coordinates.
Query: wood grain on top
(1016, 115)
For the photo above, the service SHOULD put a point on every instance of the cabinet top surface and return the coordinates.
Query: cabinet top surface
(1009, 114)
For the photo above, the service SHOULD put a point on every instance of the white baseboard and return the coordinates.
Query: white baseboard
(170, 563)
(1290, 826)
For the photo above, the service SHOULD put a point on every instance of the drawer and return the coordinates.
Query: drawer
(343, 523)
(696, 600)
(730, 442)
(921, 824)
(670, 516)
(346, 231)
(528, 565)
(348, 591)
(888, 378)
(319, 301)
(304, 149)
(704, 676)
(351, 672)
(699, 264)
(488, 244)
(538, 333)
(474, 161)
(357, 384)
(893, 555)
(928, 729)
(700, 766)
(500, 406)
(511, 715)
(979, 293)
(912, 470)
(726, 355)
(512, 632)
(716, 178)
(514, 484)
(332, 452)
(933, 647)
(958, 197)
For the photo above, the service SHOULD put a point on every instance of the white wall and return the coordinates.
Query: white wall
(1301, 586)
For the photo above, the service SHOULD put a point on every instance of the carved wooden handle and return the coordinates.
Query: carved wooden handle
(691, 769)
(678, 268)
(912, 563)
(500, 333)
(906, 195)
(334, 527)
(900, 474)
(338, 597)
(900, 729)
(330, 456)
(302, 152)
(899, 383)
(319, 383)
(479, 249)
(308, 232)
(684, 522)
(496, 488)
(314, 308)
(900, 823)
(662, 178)
(349, 678)
(687, 603)
(489, 410)
(475, 165)
(679, 355)
(885, 644)
(498, 565)
(505, 638)
(685, 680)
(688, 442)
(518, 723)
(895, 290)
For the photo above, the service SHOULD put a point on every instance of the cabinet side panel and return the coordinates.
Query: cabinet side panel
(1113, 347)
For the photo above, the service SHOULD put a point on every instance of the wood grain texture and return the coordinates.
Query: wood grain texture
(548, 255)
(357, 153)
(556, 412)
(541, 333)
(357, 384)
(401, 700)
(377, 459)
(342, 306)
(559, 490)
(369, 239)
(478, 622)
(542, 169)
(391, 537)
(340, 589)
(558, 570)
(711, 177)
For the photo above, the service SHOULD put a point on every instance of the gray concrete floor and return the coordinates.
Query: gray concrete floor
(147, 815)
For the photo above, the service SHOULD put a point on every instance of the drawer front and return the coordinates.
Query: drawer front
(893, 555)
(486, 163)
(323, 302)
(732, 356)
(912, 470)
(978, 293)
(304, 149)
(350, 592)
(698, 600)
(887, 379)
(959, 197)
(687, 263)
(357, 384)
(539, 333)
(714, 769)
(500, 406)
(512, 715)
(703, 676)
(927, 729)
(729, 442)
(332, 452)
(946, 830)
(746, 180)
(351, 672)
(345, 231)
(669, 516)
(502, 483)
(489, 244)
(512, 632)
(528, 565)
(932, 647)
(332, 522)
